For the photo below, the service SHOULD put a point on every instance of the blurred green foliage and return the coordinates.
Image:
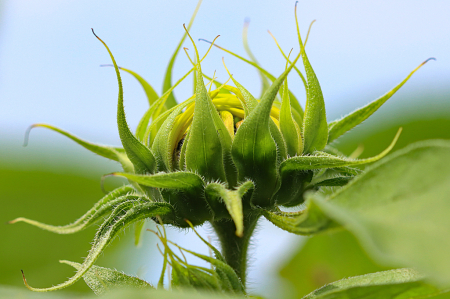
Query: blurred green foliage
(51, 197)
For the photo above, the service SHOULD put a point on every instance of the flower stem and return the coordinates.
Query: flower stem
(234, 248)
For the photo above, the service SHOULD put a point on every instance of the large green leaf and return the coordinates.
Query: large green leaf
(399, 283)
(14, 292)
(326, 258)
(398, 209)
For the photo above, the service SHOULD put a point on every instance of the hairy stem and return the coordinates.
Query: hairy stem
(234, 248)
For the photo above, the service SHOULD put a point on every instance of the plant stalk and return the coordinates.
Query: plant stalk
(234, 248)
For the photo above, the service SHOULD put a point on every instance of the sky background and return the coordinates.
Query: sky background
(49, 64)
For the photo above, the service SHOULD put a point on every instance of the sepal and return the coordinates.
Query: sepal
(232, 200)
(100, 209)
(315, 129)
(260, 166)
(122, 216)
(307, 222)
(141, 156)
(323, 160)
(339, 127)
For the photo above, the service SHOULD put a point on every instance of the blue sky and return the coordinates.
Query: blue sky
(49, 59)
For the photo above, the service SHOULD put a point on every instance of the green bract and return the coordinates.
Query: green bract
(221, 156)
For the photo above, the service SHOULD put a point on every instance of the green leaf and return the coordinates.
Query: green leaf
(398, 209)
(180, 180)
(103, 280)
(289, 128)
(254, 133)
(339, 127)
(249, 104)
(157, 113)
(164, 144)
(315, 129)
(122, 216)
(101, 208)
(307, 222)
(141, 157)
(152, 97)
(205, 145)
(326, 258)
(398, 283)
(232, 200)
(112, 153)
(182, 161)
(337, 181)
(138, 229)
(151, 94)
(171, 102)
(14, 292)
(292, 187)
(324, 160)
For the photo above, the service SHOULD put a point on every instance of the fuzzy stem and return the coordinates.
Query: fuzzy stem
(234, 248)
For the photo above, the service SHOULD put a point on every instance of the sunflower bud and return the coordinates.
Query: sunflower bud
(222, 156)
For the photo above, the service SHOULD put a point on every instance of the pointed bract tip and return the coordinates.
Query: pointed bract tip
(27, 134)
(152, 231)
(246, 21)
(431, 58)
(11, 221)
(94, 32)
(24, 279)
(188, 222)
(204, 40)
